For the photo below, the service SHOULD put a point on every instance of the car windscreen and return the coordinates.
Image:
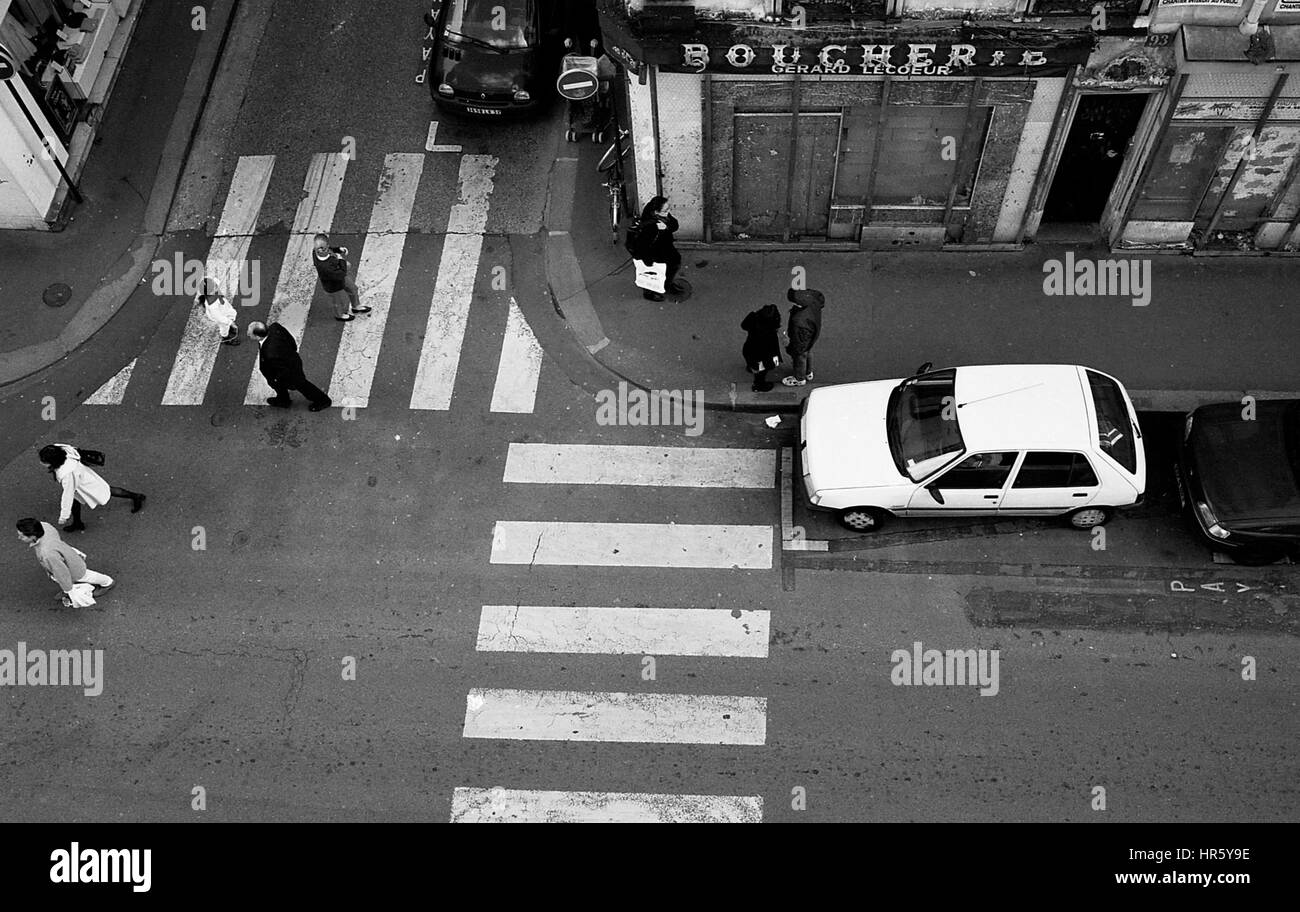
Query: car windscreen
(1115, 432)
(500, 23)
(921, 423)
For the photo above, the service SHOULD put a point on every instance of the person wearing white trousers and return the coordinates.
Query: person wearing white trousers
(64, 563)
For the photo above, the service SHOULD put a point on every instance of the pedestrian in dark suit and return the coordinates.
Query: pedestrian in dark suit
(762, 350)
(280, 364)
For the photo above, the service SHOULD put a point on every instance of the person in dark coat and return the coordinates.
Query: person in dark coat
(762, 350)
(802, 331)
(332, 267)
(281, 365)
(655, 242)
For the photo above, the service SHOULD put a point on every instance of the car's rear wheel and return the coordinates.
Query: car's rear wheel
(1089, 517)
(862, 519)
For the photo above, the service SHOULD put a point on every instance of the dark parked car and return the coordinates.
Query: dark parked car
(492, 57)
(1238, 478)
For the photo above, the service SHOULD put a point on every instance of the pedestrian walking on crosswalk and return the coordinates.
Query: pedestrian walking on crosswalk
(281, 365)
(64, 563)
(219, 311)
(81, 485)
(332, 267)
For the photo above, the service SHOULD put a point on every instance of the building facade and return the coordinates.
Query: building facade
(910, 123)
(59, 58)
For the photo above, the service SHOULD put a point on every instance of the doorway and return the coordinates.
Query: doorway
(1092, 158)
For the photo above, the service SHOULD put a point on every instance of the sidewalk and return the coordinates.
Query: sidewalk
(1214, 329)
(128, 184)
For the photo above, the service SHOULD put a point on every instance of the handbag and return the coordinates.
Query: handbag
(91, 457)
(81, 595)
(651, 276)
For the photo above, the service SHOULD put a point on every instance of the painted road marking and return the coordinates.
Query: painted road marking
(580, 544)
(623, 631)
(520, 368)
(381, 258)
(431, 141)
(683, 467)
(500, 805)
(449, 311)
(111, 393)
(192, 370)
(297, 285)
(793, 538)
(644, 718)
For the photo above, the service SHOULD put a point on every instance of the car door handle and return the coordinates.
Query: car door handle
(1084, 494)
(992, 496)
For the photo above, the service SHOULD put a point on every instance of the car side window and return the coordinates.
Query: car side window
(1055, 470)
(983, 470)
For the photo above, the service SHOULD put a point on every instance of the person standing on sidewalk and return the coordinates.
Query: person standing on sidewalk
(281, 365)
(802, 331)
(81, 485)
(332, 267)
(64, 563)
(762, 350)
(219, 311)
(654, 243)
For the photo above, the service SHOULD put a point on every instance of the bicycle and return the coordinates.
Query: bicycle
(611, 165)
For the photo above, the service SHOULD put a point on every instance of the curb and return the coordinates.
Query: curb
(111, 294)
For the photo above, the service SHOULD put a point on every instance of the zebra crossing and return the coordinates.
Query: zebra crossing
(623, 717)
(445, 315)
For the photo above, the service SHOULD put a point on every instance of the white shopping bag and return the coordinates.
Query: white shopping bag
(651, 276)
(82, 595)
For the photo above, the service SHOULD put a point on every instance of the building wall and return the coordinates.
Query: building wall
(29, 173)
(1028, 160)
(681, 151)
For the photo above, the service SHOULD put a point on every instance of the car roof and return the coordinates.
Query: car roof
(1024, 407)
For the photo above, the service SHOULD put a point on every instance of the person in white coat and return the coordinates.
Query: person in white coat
(219, 311)
(81, 485)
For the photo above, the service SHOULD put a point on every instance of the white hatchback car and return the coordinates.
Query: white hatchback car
(1007, 439)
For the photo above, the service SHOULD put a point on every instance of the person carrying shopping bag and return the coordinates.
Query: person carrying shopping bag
(762, 349)
(654, 247)
(81, 485)
(65, 564)
(219, 311)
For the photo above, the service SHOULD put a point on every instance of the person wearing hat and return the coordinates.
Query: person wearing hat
(802, 330)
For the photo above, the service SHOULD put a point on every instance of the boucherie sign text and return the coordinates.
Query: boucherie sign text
(878, 59)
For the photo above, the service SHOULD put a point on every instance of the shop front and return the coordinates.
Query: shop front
(59, 58)
(918, 137)
(1225, 174)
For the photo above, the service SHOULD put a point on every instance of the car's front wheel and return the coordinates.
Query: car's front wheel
(862, 519)
(1089, 517)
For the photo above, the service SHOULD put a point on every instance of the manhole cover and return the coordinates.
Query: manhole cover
(57, 295)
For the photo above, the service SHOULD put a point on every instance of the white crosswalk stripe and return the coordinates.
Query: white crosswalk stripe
(500, 805)
(623, 631)
(381, 258)
(113, 391)
(588, 544)
(449, 312)
(689, 467)
(192, 369)
(562, 715)
(297, 285)
(520, 368)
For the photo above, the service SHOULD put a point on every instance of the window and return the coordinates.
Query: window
(1115, 432)
(983, 470)
(1055, 470)
(499, 24)
(921, 423)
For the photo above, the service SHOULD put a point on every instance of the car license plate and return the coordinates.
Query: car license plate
(474, 110)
